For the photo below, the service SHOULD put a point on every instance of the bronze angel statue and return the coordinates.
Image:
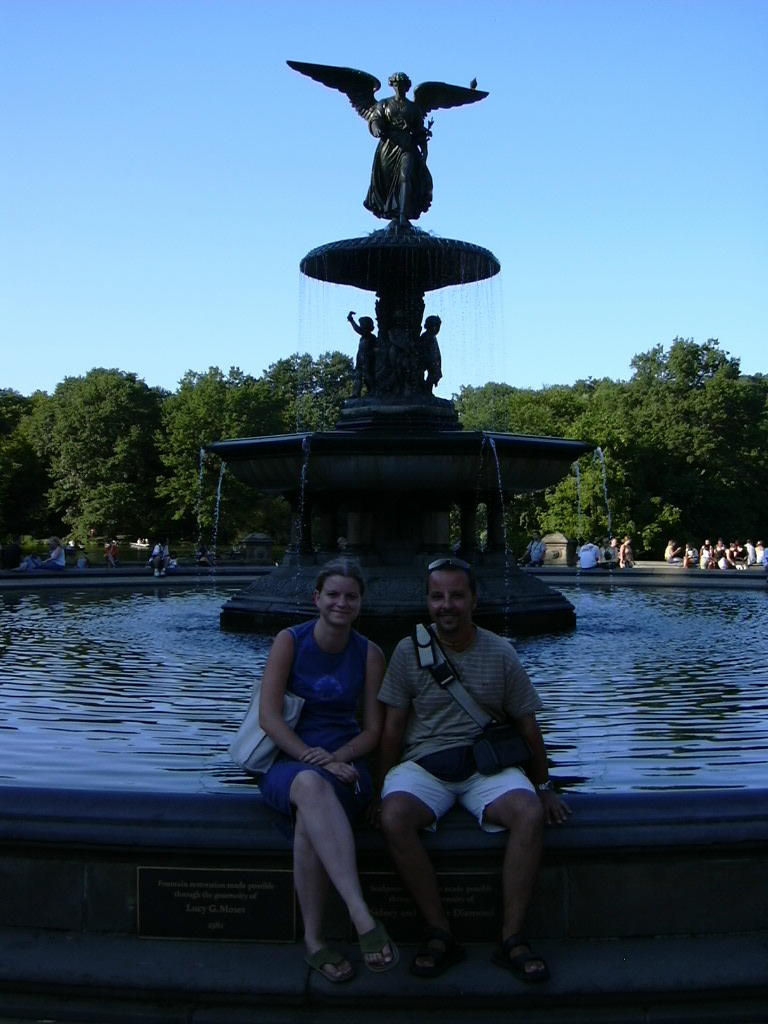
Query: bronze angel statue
(401, 185)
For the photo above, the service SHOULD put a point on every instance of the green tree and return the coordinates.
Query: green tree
(699, 443)
(311, 392)
(24, 479)
(296, 393)
(211, 407)
(97, 436)
(684, 445)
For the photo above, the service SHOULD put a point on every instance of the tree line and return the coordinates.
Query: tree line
(684, 445)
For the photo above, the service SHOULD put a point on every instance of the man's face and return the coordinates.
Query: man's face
(450, 601)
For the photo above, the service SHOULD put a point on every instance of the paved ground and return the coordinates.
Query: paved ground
(119, 979)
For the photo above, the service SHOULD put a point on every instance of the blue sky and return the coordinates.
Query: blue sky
(164, 172)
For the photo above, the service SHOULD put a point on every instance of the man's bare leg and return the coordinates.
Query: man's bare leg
(402, 817)
(521, 813)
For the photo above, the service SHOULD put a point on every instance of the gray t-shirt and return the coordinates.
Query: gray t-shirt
(489, 669)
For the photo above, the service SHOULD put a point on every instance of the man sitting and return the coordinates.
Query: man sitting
(535, 552)
(589, 555)
(427, 765)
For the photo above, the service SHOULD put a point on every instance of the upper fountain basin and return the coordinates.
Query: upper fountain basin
(458, 460)
(400, 257)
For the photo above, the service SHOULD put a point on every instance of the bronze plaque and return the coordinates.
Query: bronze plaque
(216, 903)
(472, 902)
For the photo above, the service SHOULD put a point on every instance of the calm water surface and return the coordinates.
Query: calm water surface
(656, 689)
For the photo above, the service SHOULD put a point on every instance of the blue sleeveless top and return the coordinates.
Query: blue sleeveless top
(331, 685)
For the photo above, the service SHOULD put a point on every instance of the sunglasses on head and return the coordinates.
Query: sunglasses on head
(448, 563)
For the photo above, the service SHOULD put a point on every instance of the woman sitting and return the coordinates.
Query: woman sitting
(321, 778)
(673, 553)
(56, 559)
(691, 556)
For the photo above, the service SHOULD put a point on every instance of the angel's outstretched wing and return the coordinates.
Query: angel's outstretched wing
(358, 86)
(434, 95)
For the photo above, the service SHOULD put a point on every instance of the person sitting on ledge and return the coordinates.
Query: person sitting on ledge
(159, 559)
(706, 555)
(535, 552)
(691, 556)
(737, 555)
(589, 555)
(321, 780)
(611, 552)
(203, 556)
(427, 764)
(673, 553)
(626, 555)
(56, 559)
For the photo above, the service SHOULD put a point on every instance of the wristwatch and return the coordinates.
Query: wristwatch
(545, 787)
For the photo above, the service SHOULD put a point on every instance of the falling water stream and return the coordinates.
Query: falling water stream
(217, 510)
(579, 531)
(507, 553)
(599, 457)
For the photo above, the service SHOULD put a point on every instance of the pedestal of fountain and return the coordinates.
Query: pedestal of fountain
(398, 464)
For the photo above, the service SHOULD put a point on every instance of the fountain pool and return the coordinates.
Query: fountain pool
(657, 690)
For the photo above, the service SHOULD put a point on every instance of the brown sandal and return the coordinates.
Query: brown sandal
(442, 957)
(518, 963)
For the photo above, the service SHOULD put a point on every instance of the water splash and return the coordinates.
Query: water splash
(216, 511)
(305, 447)
(577, 471)
(503, 508)
(199, 503)
(599, 457)
(302, 537)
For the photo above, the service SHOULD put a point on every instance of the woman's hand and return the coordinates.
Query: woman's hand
(344, 772)
(316, 755)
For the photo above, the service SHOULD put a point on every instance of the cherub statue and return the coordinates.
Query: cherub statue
(401, 185)
(365, 363)
(430, 362)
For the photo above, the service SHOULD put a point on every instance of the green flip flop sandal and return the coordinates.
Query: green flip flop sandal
(376, 941)
(327, 957)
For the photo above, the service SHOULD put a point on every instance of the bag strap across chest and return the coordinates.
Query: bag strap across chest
(432, 657)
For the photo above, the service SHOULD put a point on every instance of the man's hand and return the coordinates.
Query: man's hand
(556, 810)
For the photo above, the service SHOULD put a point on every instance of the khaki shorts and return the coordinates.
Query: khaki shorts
(474, 793)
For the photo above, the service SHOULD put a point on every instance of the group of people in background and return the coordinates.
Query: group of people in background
(161, 559)
(716, 556)
(613, 554)
(55, 559)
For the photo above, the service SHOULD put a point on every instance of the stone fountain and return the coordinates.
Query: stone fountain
(388, 478)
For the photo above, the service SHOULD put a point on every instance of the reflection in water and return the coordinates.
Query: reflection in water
(656, 689)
